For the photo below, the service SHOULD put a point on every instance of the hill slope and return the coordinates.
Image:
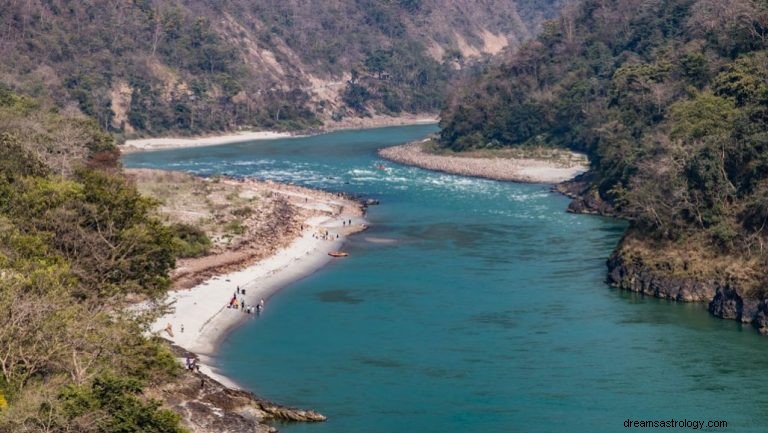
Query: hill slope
(152, 66)
(670, 100)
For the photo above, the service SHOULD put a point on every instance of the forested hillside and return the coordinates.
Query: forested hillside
(76, 239)
(148, 67)
(670, 100)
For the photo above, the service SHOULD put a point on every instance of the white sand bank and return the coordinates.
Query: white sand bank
(146, 144)
(527, 170)
(203, 312)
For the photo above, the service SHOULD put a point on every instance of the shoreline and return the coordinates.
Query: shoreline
(166, 143)
(509, 169)
(203, 309)
(378, 121)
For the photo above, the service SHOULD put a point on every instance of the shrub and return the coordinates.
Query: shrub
(189, 241)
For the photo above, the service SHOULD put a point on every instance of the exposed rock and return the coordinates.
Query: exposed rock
(207, 406)
(629, 272)
(731, 303)
(633, 275)
(586, 199)
(726, 299)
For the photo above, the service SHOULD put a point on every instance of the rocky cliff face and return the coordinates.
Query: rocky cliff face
(731, 303)
(585, 197)
(635, 276)
(725, 299)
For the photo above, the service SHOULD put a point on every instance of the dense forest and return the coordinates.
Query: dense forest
(148, 67)
(76, 241)
(670, 100)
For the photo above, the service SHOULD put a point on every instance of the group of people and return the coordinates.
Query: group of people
(325, 236)
(192, 364)
(242, 306)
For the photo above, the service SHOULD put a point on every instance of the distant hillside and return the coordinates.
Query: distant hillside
(670, 99)
(147, 67)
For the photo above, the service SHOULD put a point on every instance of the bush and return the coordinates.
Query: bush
(122, 411)
(189, 241)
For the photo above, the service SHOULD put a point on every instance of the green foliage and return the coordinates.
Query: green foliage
(150, 360)
(235, 227)
(75, 238)
(402, 78)
(745, 80)
(694, 67)
(706, 115)
(121, 411)
(190, 241)
(16, 161)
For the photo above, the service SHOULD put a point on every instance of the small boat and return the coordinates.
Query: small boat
(338, 254)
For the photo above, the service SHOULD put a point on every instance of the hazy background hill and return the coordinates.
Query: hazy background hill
(150, 66)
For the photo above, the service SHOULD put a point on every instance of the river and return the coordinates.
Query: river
(471, 306)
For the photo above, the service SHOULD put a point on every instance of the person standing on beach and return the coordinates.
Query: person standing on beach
(261, 303)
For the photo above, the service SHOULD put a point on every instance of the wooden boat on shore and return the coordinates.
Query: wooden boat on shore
(338, 254)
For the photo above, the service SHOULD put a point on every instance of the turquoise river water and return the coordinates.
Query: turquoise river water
(484, 310)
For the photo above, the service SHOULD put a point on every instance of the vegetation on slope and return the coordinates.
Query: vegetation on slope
(670, 100)
(75, 240)
(149, 67)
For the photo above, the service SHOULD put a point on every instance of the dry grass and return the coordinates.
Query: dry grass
(229, 212)
(247, 220)
(693, 257)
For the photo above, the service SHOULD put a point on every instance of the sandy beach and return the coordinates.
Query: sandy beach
(201, 317)
(497, 166)
(148, 144)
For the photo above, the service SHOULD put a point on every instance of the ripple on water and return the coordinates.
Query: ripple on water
(503, 319)
(380, 362)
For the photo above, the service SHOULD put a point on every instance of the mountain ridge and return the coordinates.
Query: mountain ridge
(152, 67)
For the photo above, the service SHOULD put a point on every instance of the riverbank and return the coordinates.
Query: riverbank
(376, 121)
(554, 166)
(160, 143)
(315, 224)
